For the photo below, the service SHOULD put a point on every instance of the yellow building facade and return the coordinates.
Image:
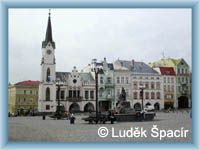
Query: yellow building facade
(23, 97)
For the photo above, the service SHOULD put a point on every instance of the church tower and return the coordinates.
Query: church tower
(47, 87)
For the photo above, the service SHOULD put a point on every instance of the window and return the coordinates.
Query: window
(164, 79)
(152, 85)
(24, 91)
(147, 85)
(172, 79)
(118, 81)
(24, 100)
(158, 95)
(47, 107)
(31, 92)
(62, 95)
(48, 75)
(101, 80)
(165, 88)
(70, 93)
(168, 79)
(182, 71)
(91, 94)
(146, 95)
(126, 80)
(135, 85)
(178, 70)
(86, 95)
(48, 94)
(135, 95)
(172, 88)
(182, 79)
(158, 85)
(152, 95)
(122, 80)
(179, 79)
(74, 93)
(109, 80)
(168, 88)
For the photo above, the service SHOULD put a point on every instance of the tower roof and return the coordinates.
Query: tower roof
(48, 37)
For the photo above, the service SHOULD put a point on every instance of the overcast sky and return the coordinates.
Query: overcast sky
(83, 34)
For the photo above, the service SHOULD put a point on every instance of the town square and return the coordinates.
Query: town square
(34, 129)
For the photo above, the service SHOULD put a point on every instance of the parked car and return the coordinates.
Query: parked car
(149, 108)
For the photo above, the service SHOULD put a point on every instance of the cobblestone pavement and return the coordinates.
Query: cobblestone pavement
(36, 129)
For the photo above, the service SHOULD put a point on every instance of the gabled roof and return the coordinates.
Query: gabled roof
(136, 67)
(141, 67)
(168, 62)
(167, 71)
(29, 83)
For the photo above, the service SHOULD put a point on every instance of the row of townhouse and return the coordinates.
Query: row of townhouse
(131, 76)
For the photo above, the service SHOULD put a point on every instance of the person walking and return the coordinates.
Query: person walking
(72, 118)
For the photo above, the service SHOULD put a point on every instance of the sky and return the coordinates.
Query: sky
(83, 34)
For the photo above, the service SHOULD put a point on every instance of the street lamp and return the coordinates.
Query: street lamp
(97, 70)
(142, 95)
(58, 111)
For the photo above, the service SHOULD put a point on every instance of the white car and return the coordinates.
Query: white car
(149, 108)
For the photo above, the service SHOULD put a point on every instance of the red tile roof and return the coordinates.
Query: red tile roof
(167, 71)
(29, 82)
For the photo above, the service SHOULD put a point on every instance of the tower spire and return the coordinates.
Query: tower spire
(48, 37)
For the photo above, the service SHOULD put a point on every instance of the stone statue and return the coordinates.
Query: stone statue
(122, 104)
(122, 96)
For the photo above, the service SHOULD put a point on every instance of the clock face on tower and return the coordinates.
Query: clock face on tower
(48, 51)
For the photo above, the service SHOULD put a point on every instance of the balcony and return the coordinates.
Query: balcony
(74, 99)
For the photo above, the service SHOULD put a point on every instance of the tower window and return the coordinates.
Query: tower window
(48, 75)
(48, 94)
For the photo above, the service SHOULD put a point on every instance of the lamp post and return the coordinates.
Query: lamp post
(58, 111)
(96, 72)
(142, 95)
